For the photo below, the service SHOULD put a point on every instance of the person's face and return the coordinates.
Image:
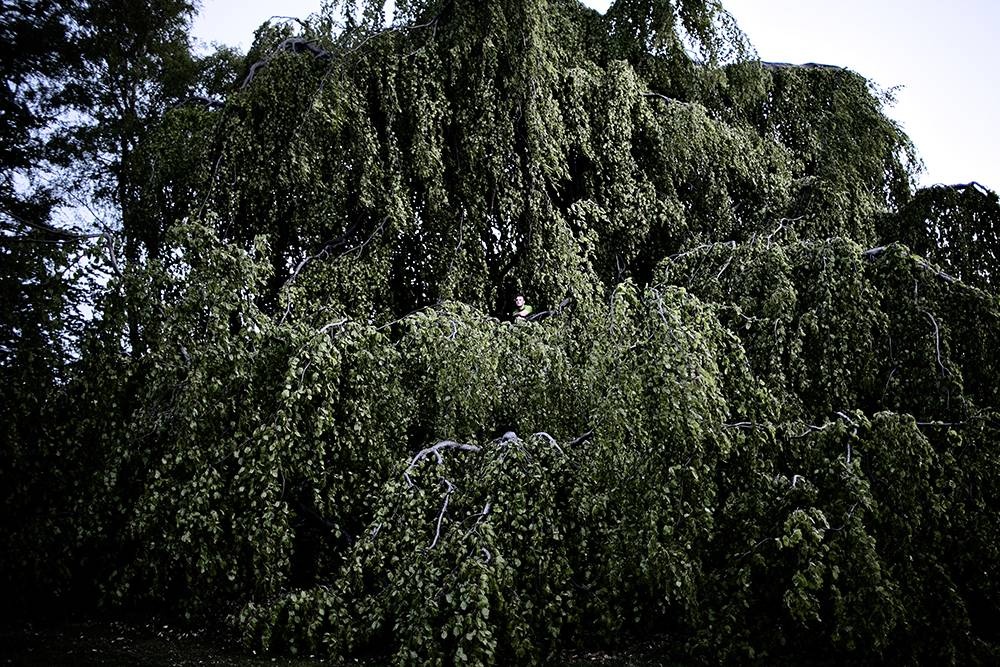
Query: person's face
(519, 301)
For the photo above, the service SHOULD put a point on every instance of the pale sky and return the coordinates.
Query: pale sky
(944, 56)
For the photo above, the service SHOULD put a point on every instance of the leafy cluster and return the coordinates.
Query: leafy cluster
(757, 418)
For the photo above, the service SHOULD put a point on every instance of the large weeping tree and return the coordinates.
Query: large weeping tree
(757, 418)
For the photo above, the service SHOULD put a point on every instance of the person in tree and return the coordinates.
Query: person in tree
(521, 309)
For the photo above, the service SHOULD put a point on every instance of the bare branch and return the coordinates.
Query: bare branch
(660, 96)
(542, 314)
(331, 325)
(444, 508)
(811, 428)
(436, 451)
(112, 255)
(323, 252)
(772, 66)
(479, 518)
(781, 225)
(61, 235)
(847, 518)
(937, 342)
(292, 45)
(754, 547)
(927, 266)
(872, 253)
(847, 419)
(552, 441)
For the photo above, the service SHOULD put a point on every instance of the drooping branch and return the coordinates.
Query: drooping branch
(784, 222)
(937, 342)
(291, 45)
(552, 441)
(323, 253)
(197, 100)
(444, 509)
(436, 451)
(330, 325)
(971, 185)
(872, 253)
(728, 244)
(668, 100)
(327, 248)
(811, 428)
(60, 235)
(542, 314)
(772, 66)
(479, 518)
(740, 425)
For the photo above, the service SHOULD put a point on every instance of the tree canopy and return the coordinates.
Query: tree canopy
(756, 419)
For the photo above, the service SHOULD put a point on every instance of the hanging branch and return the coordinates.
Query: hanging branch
(444, 509)
(542, 314)
(197, 100)
(971, 185)
(479, 518)
(855, 432)
(872, 253)
(847, 419)
(552, 441)
(303, 45)
(773, 66)
(924, 264)
(436, 451)
(327, 248)
(290, 45)
(458, 246)
(810, 428)
(729, 244)
(325, 252)
(781, 226)
(330, 325)
(61, 235)
(850, 513)
(937, 342)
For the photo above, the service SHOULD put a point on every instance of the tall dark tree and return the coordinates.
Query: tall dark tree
(84, 84)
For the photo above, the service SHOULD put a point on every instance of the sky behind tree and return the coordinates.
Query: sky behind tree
(942, 61)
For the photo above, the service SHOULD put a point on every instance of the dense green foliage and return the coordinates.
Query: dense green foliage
(760, 419)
